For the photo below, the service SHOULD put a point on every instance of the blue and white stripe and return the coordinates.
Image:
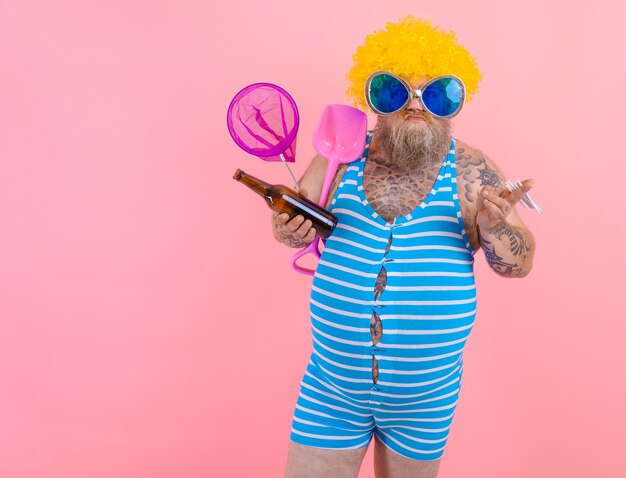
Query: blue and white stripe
(427, 311)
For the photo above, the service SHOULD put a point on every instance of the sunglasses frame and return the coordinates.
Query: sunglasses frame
(413, 93)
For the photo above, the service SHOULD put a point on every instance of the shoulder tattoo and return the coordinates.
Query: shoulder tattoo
(476, 172)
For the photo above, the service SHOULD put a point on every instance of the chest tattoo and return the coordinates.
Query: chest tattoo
(392, 193)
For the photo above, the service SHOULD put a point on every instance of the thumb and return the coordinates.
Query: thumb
(304, 192)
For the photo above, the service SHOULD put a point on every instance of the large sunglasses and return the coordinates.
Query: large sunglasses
(387, 93)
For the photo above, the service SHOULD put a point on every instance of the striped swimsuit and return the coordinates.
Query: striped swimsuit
(427, 311)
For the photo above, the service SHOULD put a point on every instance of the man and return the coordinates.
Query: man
(393, 298)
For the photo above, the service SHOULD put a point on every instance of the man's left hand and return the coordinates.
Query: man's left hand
(495, 204)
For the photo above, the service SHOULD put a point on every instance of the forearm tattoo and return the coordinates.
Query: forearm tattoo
(519, 244)
(496, 262)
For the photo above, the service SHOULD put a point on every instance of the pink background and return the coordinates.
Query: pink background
(150, 324)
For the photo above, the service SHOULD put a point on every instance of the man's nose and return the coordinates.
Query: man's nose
(414, 104)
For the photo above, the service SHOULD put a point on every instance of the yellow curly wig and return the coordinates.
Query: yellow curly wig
(410, 48)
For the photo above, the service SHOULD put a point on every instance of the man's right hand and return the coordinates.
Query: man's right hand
(294, 232)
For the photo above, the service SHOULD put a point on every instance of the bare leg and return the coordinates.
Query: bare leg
(309, 462)
(388, 464)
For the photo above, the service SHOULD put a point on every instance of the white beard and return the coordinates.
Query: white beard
(413, 146)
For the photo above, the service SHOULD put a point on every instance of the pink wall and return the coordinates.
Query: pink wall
(150, 324)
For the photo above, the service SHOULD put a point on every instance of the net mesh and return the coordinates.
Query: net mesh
(263, 120)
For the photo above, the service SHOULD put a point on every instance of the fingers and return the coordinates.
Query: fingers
(309, 235)
(295, 223)
(516, 195)
(495, 204)
(504, 198)
(303, 229)
(297, 226)
(488, 192)
(495, 213)
(502, 202)
(282, 218)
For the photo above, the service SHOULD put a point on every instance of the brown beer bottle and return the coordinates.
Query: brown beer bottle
(282, 199)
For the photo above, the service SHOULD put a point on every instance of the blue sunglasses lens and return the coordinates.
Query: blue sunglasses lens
(443, 97)
(386, 93)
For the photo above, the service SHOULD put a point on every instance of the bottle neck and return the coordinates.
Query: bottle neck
(258, 186)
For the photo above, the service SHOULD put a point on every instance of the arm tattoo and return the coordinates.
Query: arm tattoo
(489, 176)
(519, 244)
(496, 262)
(471, 163)
(466, 163)
(474, 171)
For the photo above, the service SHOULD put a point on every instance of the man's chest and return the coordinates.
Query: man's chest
(393, 194)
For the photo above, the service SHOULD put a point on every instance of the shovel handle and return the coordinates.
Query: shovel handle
(331, 170)
(312, 248)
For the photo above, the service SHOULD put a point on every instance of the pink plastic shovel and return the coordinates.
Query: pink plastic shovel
(339, 137)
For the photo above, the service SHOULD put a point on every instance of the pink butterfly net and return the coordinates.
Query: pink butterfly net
(263, 120)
